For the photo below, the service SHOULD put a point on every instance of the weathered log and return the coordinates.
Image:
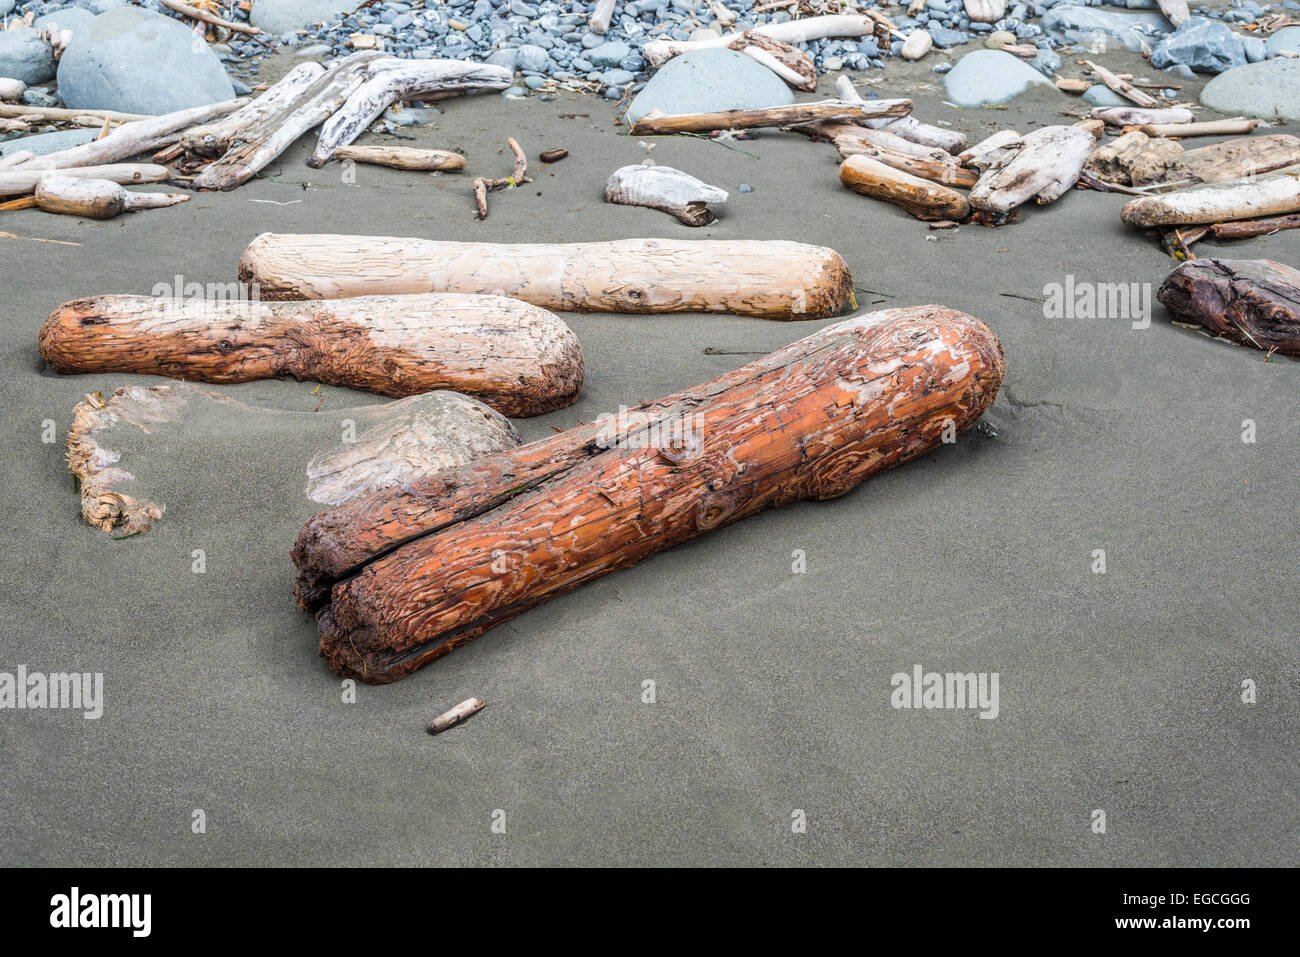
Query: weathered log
(133, 139)
(22, 178)
(854, 137)
(664, 188)
(1252, 301)
(1123, 87)
(517, 358)
(1254, 227)
(1122, 116)
(908, 127)
(402, 157)
(1270, 194)
(406, 80)
(213, 139)
(985, 11)
(767, 278)
(1044, 168)
(96, 198)
(1133, 159)
(789, 63)
(402, 577)
(1236, 159)
(11, 89)
(125, 450)
(946, 173)
(990, 151)
(917, 45)
(920, 197)
(659, 52)
(601, 14)
(1229, 127)
(655, 122)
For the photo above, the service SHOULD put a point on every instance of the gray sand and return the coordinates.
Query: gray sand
(1118, 691)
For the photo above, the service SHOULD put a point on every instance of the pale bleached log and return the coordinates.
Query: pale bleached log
(1232, 159)
(1270, 194)
(402, 157)
(408, 80)
(768, 278)
(96, 198)
(851, 135)
(922, 198)
(985, 11)
(657, 123)
(213, 139)
(1229, 127)
(16, 158)
(470, 706)
(1045, 166)
(1137, 116)
(659, 52)
(62, 113)
(1133, 159)
(1175, 11)
(124, 450)
(908, 127)
(990, 151)
(22, 179)
(917, 45)
(789, 63)
(601, 14)
(133, 139)
(517, 358)
(664, 188)
(11, 89)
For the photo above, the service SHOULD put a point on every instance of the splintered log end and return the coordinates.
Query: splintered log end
(1252, 301)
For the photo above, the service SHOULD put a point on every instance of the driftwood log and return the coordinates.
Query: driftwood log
(664, 188)
(1139, 160)
(1254, 227)
(657, 123)
(1044, 167)
(11, 89)
(1270, 194)
(127, 451)
(1229, 127)
(945, 173)
(1123, 87)
(920, 197)
(788, 62)
(1252, 301)
(402, 157)
(601, 14)
(20, 179)
(766, 278)
(517, 358)
(1137, 116)
(990, 151)
(213, 139)
(96, 198)
(908, 127)
(659, 52)
(57, 113)
(400, 578)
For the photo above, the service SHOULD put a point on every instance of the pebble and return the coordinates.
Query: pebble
(744, 188)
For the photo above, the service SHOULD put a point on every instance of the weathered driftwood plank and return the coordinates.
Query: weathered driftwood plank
(601, 14)
(1139, 160)
(1267, 195)
(1044, 167)
(657, 123)
(402, 157)
(1228, 127)
(517, 358)
(853, 136)
(908, 127)
(1137, 116)
(1252, 301)
(1254, 227)
(22, 179)
(402, 577)
(991, 151)
(768, 278)
(126, 450)
(1123, 87)
(922, 198)
(1133, 159)
(213, 139)
(96, 198)
(664, 188)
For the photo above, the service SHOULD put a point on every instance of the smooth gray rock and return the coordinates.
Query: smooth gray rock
(990, 78)
(136, 61)
(1267, 90)
(1288, 38)
(44, 143)
(1205, 45)
(1099, 95)
(704, 81)
(608, 54)
(1091, 26)
(69, 18)
(276, 16)
(6, 6)
(25, 56)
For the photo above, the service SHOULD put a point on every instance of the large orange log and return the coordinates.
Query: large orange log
(401, 577)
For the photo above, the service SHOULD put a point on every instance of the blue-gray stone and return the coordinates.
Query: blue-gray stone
(1267, 89)
(140, 62)
(1099, 95)
(69, 18)
(39, 96)
(608, 54)
(521, 9)
(276, 16)
(534, 82)
(990, 78)
(616, 78)
(1288, 38)
(6, 6)
(1204, 45)
(25, 56)
(705, 81)
(1086, 25)
(44, 143)
(1046, 62)
(531, 57)
(1254, 48)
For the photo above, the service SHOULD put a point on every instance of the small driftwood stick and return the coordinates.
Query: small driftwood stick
(61, 113)
(483, 185)
(470, 706)
(213, 139)
(96, 198)
(656, 123)
(922, 198)
(1122, 116)
(402, 157)
(22, 179)
(402, 577)
(789, 63)
(1229, 127)
(768, 278)
(664, 188)
(1254, 227)
(659, 52)
(517, 358)
(601, 14)
(1269, 194)
(1252, 301)
(1123, 87)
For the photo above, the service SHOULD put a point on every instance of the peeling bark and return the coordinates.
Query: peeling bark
(1252, 301)
(400, 578)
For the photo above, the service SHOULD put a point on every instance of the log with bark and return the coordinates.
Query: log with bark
(213, 139)
(908, 127)
(399, 578)
(1045, 167)
(657, 123)
(922, 198)
(1270, 194)
(96, 198)
(1254, 227)
(664, 188)
(1229, 127)
(767, 278)
(129, 451)
(22, 179)
(1122, 116)
(517, 358)
(1252, 301)
(946, 172)
(402, 157)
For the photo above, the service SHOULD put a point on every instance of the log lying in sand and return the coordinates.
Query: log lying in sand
(1210, 128)
(408, 79)
(766, 278)
(1270, 194)
(127, 450)
(656, 122)
(1235, 159)
(402, 577)
(470, 706)
(213, 139)
(402, 157)
(23, 179)
(1044, 168)
(664, 188)
(990, 151)
(1252, 301)
(1133, 159)
(659, 52)
(908, 127)
(96, 198)
(517, 358)
(851, 136)
(58, 113)
(1137, 116)
(922, 198)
